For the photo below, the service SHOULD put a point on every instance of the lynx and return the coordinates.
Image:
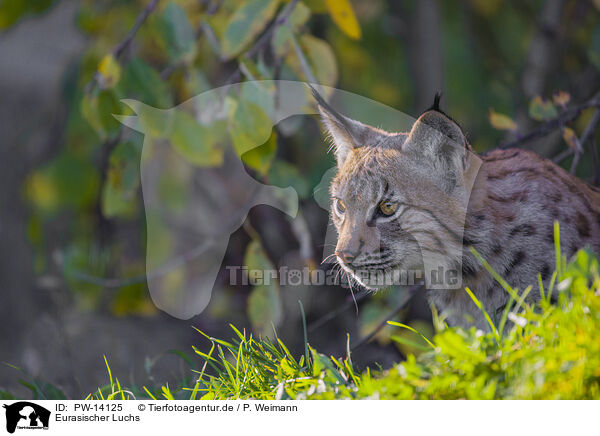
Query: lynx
(401, 200)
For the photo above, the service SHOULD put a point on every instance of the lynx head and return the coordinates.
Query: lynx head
(399, 199)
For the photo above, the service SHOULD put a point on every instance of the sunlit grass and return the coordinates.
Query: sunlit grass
(543, 350)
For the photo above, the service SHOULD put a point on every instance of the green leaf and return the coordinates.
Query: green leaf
(245, 24)
(284, 174)
(316, 6)
(89, 110)
(68, 180)
(261, 94)
(541, 110)
(282, 41)
(133, 300)
(299, 16)
(249, 125)
(139, 80)
(260, 158)
(122, 180)
(156, 123)
(97, 108)
(264, 304)
(196, 83)
(12, 11)
(197, 143)
(320, 57)
(178, 33)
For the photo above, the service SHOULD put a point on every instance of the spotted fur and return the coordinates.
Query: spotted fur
(503, 203)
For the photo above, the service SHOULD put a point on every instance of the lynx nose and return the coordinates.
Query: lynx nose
(345, 255)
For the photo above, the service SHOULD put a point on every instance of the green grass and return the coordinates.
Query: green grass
(533, 351)
(545, 351)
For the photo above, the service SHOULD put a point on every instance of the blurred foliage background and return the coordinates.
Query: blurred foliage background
(506, 68)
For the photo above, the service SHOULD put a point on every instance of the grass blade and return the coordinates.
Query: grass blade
(399, 324)
(485, 314)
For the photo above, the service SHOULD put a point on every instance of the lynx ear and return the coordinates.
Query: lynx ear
(438, 140)
(346, 133)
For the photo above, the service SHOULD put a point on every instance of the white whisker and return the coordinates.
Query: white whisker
(327, 258)
(352, 292)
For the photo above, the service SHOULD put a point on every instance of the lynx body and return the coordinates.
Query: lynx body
(419, 200)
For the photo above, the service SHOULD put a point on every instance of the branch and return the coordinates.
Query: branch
(203, 29)
(562, 155)
(141, 18)
(306, 69)
(120, 48)
(587, 134)
(263, 40)
(554, 124)
(198, 250)
(266, 37)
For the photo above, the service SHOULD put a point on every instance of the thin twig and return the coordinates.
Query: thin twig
(141, 18)
(308, 72)
(554, 124)
(562, 155)
(266, 37)
(575, 162)
(262, 41)
(198, 250)
(203, 29)
(587, 133)
(120, 48)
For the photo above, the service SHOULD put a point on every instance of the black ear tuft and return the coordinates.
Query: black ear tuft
(317, 96)
(436, 103)
(436, 107)
(329, 110)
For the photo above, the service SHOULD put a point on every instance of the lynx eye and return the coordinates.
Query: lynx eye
(340, 207)
(388, 207)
